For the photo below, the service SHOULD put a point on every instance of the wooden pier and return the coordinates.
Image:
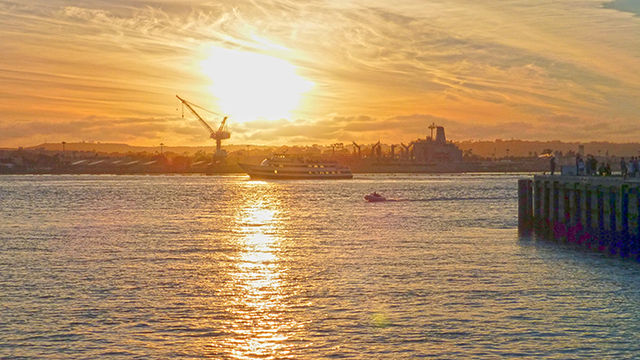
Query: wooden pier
(599, 213)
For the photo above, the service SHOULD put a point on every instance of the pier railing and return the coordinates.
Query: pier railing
(600, 213)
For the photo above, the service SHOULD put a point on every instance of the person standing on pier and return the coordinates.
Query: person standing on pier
(552, 164)
(623, 168)
(580, 171)
(594, 165)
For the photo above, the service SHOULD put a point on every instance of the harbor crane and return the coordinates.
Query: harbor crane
(218, 135)
(356, 146)
(376, 150)
(408, 150)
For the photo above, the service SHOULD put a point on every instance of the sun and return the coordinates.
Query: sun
(250, 86)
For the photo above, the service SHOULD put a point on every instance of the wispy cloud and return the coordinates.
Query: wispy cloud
(511, 69)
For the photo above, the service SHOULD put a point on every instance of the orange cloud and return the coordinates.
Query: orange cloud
(554, 70)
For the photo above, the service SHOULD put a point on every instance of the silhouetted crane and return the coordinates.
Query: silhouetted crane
(376, 150)
(356, 146)
(408, 153)
(221, 134)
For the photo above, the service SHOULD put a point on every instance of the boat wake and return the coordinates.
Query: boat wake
(450, 199)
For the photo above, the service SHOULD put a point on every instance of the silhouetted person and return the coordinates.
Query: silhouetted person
(553, 164)
(623, 168)
(580, 167)
(594, 165)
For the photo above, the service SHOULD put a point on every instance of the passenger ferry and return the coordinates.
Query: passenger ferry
(287, 167)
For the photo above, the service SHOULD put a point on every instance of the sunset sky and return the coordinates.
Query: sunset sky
(311, 71)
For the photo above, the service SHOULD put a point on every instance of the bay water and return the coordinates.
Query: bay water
(223, 267)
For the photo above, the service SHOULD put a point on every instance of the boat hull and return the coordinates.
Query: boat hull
(371, 198)
(261, 172)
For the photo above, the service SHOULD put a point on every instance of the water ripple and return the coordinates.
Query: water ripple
(227, 268)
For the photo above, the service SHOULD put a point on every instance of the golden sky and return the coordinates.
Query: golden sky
(312, 71)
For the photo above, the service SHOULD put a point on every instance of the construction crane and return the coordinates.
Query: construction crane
(376, 150)
(218, 135)
(356, 146)
(408, 153)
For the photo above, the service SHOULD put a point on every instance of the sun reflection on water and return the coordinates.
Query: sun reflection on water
(256, 325)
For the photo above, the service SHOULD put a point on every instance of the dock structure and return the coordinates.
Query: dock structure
(599, 213)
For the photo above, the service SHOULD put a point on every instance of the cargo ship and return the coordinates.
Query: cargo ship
(281, 166)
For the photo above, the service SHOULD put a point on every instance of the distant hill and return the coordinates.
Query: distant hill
(110, 148)
(498, 148)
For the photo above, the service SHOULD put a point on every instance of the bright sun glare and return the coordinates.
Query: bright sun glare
(250, 86)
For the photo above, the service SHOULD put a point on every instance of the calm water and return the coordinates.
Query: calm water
(227, 268)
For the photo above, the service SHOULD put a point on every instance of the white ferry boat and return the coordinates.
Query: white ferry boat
(288, 167)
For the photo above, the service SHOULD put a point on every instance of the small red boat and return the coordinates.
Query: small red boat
(374, 197)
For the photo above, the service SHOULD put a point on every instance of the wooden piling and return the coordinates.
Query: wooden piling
(525, 206)
(537, 201)
(601, 213)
